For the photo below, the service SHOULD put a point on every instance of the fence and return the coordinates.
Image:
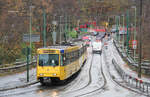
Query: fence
(18, 66)
(134, 65)
(132, 81)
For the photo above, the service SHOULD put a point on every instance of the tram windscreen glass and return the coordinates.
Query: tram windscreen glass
(48, 60)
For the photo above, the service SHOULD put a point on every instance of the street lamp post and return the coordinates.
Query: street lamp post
(116, 17)
(29, 51)
(123, 32)
(44, 28)
(119, 28)
(69, 20)
(127, 39)
(140, 42)
(60, 29)
(30, 30)
(30, 27)
(66, 28)
(134, 31)
(54, 30)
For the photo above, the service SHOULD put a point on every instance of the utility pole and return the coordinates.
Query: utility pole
(140, 41)
(116, 17)
(127, 39)
(44, 30)
(27, 54)
(119, 28)
(30, 31)
(66, 28)
(54, 30)
(69, 26)
(135, 34)
(123, 32)
(29, 50)
(62, 27)
(60, 30)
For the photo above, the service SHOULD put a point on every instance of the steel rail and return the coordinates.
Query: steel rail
(100, 88)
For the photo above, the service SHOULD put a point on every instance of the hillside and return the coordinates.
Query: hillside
(15, 20)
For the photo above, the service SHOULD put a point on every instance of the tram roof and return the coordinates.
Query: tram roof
(60, 47)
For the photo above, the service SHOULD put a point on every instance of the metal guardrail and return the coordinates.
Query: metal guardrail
(2, 70)
(132, 81)
(145, 65)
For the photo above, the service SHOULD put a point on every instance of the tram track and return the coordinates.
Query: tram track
(90, 79)
(37, 87)
(32, 88)
(100, 88)
(17, 87)
(77, 91)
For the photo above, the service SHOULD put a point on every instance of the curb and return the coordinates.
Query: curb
(21, 86)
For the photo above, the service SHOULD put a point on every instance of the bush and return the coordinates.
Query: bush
(73, 34)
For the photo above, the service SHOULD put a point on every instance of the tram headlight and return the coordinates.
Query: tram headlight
(41, 74)
(54, 74)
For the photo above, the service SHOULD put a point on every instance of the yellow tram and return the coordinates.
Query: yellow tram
(57, 63)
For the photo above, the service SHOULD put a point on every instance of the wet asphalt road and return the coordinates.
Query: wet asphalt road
(89, 82)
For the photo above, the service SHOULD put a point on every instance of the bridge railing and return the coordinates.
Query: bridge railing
(130, 61)
(132, 81)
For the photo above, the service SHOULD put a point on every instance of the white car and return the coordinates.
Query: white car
(97, 46)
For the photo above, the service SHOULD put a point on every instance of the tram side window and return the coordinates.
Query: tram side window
(63, 59)
(67, 58)
(76, 54)
(72, 56)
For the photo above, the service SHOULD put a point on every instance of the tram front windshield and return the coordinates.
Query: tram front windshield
(48, 60)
